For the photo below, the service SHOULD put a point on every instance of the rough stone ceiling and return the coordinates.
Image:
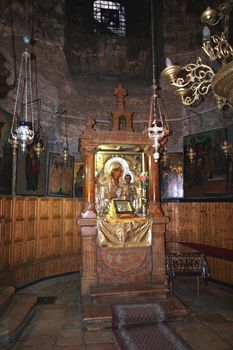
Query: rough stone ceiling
(79, 75)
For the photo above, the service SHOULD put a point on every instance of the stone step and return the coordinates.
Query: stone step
(15, 317)
(126, 292)
(99, 316)
(96, 316)
(6, 294)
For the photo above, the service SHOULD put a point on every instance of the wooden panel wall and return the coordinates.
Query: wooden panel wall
(208, 223)
(39, 237)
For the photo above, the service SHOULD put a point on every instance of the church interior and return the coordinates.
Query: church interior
(116, 174)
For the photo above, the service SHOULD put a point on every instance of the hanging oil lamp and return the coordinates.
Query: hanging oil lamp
(38, 145)
(226, 147)
(157, 127)
(65, 151)
(22, 129)
(191, 153)
(38, 148)
(164, 156)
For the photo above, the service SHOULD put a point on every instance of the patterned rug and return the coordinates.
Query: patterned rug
(143, 327)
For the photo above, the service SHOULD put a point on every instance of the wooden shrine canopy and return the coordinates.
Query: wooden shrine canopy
(120, 138)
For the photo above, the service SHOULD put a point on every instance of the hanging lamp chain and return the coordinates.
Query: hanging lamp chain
(154, 96)
(30, 89)
(157, 129)
(17, 97)
(29, 18)
(153, 44)
(66, 135)
(190, 137)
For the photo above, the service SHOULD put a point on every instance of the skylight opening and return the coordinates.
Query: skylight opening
(111, 16)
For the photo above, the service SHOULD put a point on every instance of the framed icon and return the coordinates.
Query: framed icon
(78, 180)
(60, 176)
(123, 206)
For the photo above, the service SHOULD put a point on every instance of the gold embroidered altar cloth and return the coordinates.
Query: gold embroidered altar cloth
(118, 233)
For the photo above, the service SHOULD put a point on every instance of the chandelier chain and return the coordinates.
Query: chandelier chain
(153, 43)
(29, 17)
(66, 135)
(30, 91)
(17, 95)
(157, 131)
(27, 82)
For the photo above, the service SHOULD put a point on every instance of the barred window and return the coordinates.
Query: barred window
(110, 15)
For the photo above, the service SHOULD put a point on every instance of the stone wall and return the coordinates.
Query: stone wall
(78, 69)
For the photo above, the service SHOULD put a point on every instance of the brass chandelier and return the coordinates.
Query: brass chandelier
(195, 80)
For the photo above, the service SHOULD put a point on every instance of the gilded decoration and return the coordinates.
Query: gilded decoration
(118, 176)
(122, 233)
(120, 197)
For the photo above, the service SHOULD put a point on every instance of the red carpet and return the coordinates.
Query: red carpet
(216, 252)
(142, 327)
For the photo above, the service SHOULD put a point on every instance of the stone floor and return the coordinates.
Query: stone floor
(57, 324)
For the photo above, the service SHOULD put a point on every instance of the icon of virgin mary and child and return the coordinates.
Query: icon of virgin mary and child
(117, 185)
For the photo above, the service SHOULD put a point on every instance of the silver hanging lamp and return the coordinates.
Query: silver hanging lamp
(22, 129)
(157, 127)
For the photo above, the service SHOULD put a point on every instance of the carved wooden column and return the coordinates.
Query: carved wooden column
(89, 180)
(158, 273)
(154, 188)
(89, 145)
(88, 223)
(88, 252)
